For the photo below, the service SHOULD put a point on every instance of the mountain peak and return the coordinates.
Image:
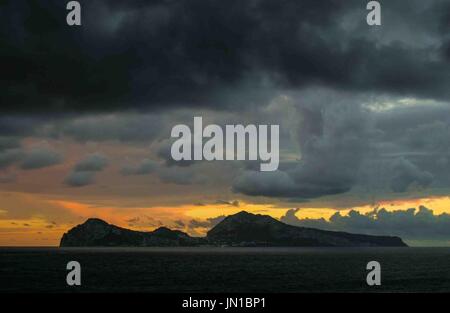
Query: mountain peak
(241, 215)
(162, 229)
(248, 229)
(96, 232)
(246, 217)
(243, 226)
(168, 233)
(94, 220)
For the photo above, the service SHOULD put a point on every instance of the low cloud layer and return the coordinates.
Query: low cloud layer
(411, 224)
(208, 223)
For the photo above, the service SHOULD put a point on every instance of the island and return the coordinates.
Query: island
(242, 229)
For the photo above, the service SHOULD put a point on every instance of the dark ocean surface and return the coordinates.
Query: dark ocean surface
(225, 269)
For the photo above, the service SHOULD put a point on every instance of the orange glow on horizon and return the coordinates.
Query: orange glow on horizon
(41, 231)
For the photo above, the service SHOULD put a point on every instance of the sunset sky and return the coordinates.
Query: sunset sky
(87, 111)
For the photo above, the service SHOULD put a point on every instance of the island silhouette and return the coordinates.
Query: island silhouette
(240, 229)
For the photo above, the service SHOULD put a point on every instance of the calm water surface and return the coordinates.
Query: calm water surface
(224, 269)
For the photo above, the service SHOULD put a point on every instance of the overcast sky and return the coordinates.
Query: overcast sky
(86, 112)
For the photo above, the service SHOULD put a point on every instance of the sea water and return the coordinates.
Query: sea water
(225, 269)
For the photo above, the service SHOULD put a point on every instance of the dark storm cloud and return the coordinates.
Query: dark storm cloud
(119, 127)
(413, 223)
(84, 172)
(80, 179)
(40, 158)
(9, 157)
(19, 126)
(144, 168)
(333, 147)
(167, 174)
(406, 173)
(12, 153)
(362, 145)
(92, 163)
(136, 54)
(8, 143)
(164, 152)
(165, 54)
(415, 139)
